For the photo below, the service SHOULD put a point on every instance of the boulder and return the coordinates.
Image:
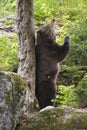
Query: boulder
(12, 99)
(61, 118)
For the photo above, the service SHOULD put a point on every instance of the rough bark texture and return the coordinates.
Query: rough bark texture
(12, 100)
(26, 46)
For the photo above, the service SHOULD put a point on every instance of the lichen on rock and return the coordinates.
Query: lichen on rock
(61, 118)
(12, 99)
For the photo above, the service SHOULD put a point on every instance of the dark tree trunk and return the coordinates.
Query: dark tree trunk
(26, 45)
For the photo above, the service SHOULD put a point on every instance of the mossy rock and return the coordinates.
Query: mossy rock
(12, 99)
(64, 118)
(71, 75)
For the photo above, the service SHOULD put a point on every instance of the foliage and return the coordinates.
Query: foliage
(78, 52)
(8, 53)
(71, 95)
(9, 22)
(7, 7)
(45, 9)
(71, 74)
(66, 96)
(81, 93)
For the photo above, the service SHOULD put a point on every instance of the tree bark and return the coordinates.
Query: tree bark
(26, 45)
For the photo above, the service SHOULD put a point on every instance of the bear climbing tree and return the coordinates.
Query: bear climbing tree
(48, 55)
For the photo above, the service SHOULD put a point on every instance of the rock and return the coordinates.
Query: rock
(7, 26)
(7, 18)
(61, 118)
(12, 99)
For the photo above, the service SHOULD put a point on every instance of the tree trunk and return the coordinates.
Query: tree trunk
(26, 45)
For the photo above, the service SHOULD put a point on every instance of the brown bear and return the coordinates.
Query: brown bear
(48, 55)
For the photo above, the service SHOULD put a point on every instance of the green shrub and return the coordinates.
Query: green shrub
(78, 31)
(45, 9)
(71, 74)
(72, 95)
(78, 50)
(81, 93)
(66, 96)
(7, 7)
(8, 53)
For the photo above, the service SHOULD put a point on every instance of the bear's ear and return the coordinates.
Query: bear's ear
(64, 49)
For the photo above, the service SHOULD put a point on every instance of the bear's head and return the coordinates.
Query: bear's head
(46, 34)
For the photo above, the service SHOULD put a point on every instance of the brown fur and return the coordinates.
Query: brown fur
(48, 54)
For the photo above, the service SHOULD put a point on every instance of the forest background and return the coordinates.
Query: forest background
(71, 17)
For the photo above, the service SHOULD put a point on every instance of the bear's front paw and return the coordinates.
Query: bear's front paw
(67, 39)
